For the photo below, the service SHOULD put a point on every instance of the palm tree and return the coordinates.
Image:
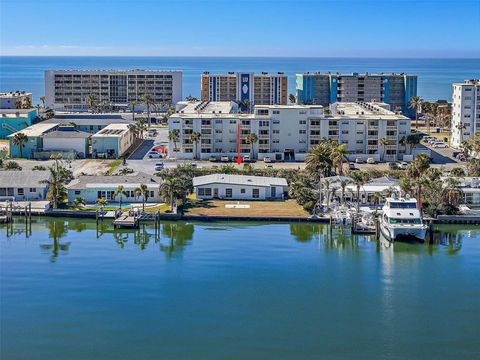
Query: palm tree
(292, 98)
(195, 137)
(20, 139)
(339, 155)
(56, 189)
(415, 171)
(416, 104)
(343, 185)
(120, 193)
(412, 140)
(359, 178)
(43, 99)
(251, 139)
(148, 101)
(142, 191)
(458, 172)
(461, 126)
(133, 103)
(102, 201)
(327, 184)
(92, 102)
(79, 202)
(141, 126)
(174, 135)
(384, 142)
(171, 190)
(134, 130)
(376, 200)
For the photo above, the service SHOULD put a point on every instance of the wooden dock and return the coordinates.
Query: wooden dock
(130, 220)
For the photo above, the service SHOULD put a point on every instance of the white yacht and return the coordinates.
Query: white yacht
(401, 219)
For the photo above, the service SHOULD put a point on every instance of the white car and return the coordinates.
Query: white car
(439, 145)
(159, 166)
(370, 161)
(267, 159)
(403, 165)
(246, 158)
(224, 158)
(154, 155)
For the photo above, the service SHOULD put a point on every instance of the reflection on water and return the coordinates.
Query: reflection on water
(174, 237)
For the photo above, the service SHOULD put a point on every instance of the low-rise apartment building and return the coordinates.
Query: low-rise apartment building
(69, 89)
(112, 141)
(13, 120)
(325, 89)
(287, 132)
(465, 111)
(15, 100)
(258, 89)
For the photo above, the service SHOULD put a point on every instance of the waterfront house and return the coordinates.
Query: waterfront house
(23, 185)
(13, 120)
(239, 187)
(92, 188)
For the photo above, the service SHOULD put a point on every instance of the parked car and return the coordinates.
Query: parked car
(426, 139)
(159, 166)
(224, 158)
(393, 166)
(268, 166)
(152, 132)
(439, 144)
(371, 160)
(213, 158)
(359, 161)
(351, 166)
(461, 157)
(154, 155)
(267, 159)
(194, 165)
(403, 165)
(246, 158)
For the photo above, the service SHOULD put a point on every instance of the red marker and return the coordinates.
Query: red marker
(239, 158)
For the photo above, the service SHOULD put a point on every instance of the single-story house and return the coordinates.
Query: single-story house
(92, 188)
(470, 187)
(90, 123)
(23, 185)
(34, 141)
(67, 138)
(14, 120)
(239, 187)
(112, 141)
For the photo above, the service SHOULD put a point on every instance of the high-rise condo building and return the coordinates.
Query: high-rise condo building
(258, 89)
(69, 89)
(395, 90)
(465, 111)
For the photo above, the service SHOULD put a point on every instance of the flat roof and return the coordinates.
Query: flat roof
(134, 180)
(207, 107)
(14, 94)
(365, 74)
(36, 130)
(91, 119)
(246, 180)
(67, 134)
(112, 130)
(112, 71)
(367, 110)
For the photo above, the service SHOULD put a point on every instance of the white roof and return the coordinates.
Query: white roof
(36, 130)
(112, 130)
(239, 180)
(207, 107)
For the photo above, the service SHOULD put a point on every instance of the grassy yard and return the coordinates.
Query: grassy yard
(287, 208)
(112, 166)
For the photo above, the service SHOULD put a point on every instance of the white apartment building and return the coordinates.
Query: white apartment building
(465, 111)
(68, 89)
(16, 100)
(258, 89)
(287, 132)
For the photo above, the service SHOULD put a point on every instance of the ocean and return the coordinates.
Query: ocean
(435, 76)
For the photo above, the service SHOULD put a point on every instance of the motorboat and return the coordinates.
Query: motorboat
(402, 220)
(342, 216)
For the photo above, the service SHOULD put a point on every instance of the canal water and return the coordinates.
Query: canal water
(235, 291)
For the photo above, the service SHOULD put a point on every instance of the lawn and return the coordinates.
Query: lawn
(287, 208)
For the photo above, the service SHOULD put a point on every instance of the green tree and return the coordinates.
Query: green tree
(79, 202)
(359, 178)
(339, 155)
(133, 104)
(416, 104)
(20, 140)
(172, 190)
(195, 138)
(92, 102)
(102, 201)
(415, 171)
(120, 193)
(143, 192)
(149, 103)
(174, 135)
(251, 139)
(343, 185)
(292, 98)
(384, 142)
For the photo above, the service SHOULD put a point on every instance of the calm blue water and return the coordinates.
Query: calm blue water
(235, 291)
(435, 76)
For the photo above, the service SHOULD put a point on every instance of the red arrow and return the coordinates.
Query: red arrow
(239, 158)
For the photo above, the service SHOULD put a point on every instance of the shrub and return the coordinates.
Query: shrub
(12, 165)
(39, 167)
(309, 205)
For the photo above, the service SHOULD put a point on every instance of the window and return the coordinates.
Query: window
(276, 112)
(77, 192)
(242, 191)
(255, 193)
(276, 131)
(229, 192)
(20, 191)
(302, 122)
(276, 122)
(205, 191)
(262, 112)
(32, 190)
(302, 131)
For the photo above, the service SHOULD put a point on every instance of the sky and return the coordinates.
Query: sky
(281, 28)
